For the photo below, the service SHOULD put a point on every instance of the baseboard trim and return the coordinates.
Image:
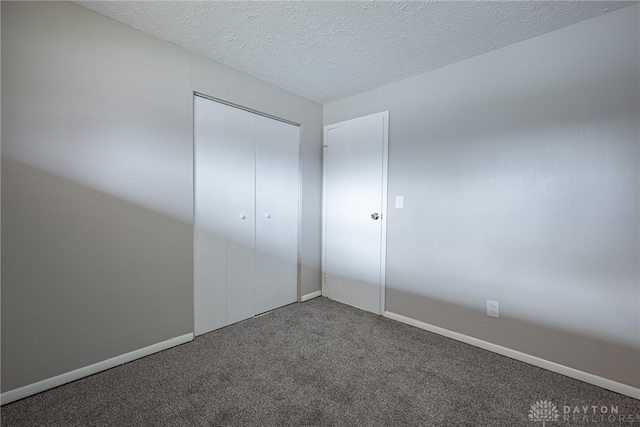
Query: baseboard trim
(49, 383)
(312, 295)
(596, 380)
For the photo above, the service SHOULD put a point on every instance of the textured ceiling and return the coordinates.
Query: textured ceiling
(330, 50)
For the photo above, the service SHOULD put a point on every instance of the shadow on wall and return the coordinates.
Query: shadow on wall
(530, 198)
(86, 276)
(595, 354)
(599, 355)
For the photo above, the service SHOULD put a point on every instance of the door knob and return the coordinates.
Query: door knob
(375, 216)
(267, 216)
(242, 216)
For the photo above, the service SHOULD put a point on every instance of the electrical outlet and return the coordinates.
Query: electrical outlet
(493, 309)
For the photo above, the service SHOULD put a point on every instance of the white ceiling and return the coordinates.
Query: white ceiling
(327, 50)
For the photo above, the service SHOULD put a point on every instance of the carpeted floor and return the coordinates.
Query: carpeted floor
(318, 363)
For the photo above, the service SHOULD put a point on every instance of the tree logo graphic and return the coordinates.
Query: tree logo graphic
(544, 410)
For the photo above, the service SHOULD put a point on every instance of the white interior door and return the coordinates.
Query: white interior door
(210, 216)
(276, 213)
(355, 176)
(241, 137)
(224, 215)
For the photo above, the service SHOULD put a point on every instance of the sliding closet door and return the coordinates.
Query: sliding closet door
(276, 213)
(210, 215)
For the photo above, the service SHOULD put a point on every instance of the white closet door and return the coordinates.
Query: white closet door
(276, 213)
(210, 215)
(288, 201)
(246, 214)
(241, 135)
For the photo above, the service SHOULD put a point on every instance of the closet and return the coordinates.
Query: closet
(245, 214)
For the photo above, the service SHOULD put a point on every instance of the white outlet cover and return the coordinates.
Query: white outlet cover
(399, 202)
(493, 309)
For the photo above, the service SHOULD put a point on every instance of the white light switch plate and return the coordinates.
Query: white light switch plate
(399, 202)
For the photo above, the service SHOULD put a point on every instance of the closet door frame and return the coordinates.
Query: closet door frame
(300, 172)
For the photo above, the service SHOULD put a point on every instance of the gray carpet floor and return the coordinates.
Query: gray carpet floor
(318, 363)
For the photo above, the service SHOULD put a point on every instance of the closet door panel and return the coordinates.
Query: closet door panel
(245, 214)
(267, 214)
(240, 214)
(289, 204)
(210, 197)
(276, 213)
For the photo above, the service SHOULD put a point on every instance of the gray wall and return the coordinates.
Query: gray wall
(519, 170)
(97, 190)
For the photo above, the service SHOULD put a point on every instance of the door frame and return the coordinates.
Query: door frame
(385, 172)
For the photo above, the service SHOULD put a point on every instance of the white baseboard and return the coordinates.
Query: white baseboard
(49, 383)
(523, 357)
(312, 295)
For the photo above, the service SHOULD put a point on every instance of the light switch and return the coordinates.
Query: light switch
(399, 202)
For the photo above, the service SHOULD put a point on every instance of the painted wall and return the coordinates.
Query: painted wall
(519, 170)
(97, 194)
